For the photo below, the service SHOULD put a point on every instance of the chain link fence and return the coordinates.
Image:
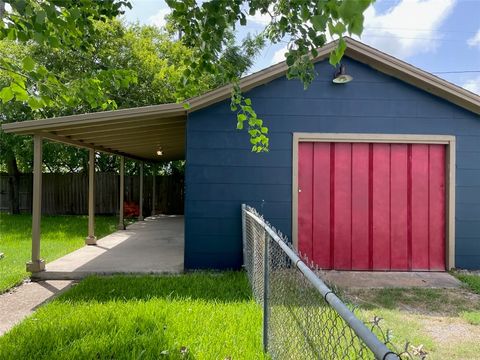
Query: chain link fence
(302, 317)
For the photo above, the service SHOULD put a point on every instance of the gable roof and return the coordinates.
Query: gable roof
(363, 53)
(137, 132)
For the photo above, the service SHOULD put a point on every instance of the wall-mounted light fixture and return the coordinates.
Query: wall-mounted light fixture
(341, 76)
(159, 151)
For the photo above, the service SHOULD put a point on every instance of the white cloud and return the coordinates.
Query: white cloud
(258, 18)
(159, 18)
(473, 85)
(279, 55)
(475, 40)
(408, 28)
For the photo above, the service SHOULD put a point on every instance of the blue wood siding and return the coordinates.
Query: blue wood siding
(222, 172)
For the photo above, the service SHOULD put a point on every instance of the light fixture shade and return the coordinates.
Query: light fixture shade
(159, 151)
(341, 76)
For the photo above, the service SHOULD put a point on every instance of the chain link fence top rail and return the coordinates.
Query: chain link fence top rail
(303, 318)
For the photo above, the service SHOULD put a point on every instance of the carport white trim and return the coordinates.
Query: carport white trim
(448, 140)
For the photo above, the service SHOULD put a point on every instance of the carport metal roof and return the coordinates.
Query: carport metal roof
(138, 132)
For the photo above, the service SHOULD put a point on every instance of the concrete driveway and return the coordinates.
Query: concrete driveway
(153, 246)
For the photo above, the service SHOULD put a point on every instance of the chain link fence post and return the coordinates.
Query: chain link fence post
(244, 234)
(266, 274)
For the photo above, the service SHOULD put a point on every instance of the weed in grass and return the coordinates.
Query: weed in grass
(192, 316)
(473, 281)
(473, 317)
(60, 235)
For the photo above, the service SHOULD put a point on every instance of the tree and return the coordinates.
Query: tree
(205, 27)
(150, 57)
(55, 24)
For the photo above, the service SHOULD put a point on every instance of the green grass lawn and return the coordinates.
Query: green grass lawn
(60, 235)
(193, 316)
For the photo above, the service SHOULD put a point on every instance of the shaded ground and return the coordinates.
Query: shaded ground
(153, 246)
(23, 300)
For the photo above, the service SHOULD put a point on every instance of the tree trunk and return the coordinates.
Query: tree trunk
(13, 184)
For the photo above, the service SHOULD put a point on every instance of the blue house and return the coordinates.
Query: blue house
(380, 173)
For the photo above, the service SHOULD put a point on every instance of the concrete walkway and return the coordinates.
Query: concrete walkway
(379, 280)
(153, 246)
(25, 299)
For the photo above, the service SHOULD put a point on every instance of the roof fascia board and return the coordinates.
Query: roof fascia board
(412, 75)
(32, 126)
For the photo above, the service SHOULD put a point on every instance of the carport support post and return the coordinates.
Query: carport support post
(121, 224)
(91, 238)
(140, 215)
(154, 195)
(37, 264)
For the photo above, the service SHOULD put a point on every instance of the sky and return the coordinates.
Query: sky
(439, 36)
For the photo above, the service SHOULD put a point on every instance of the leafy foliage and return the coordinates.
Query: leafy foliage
(146, 53)
(57, 25)
(76, 66)
(304, 24)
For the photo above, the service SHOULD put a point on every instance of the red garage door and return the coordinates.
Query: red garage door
(372, 206)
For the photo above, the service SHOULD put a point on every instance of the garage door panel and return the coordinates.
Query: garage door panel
(372, 206)
(419, 179)
(380, 208)
(342, 206)
(360, 206)
(398, 207)
(305, 196)
(437, 211)
(322, 158)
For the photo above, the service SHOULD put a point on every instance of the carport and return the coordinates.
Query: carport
(147, 134)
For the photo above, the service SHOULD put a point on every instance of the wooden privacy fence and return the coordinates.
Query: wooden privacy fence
(67, 194)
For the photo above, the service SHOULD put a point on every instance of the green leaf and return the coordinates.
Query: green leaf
(40, 17)
(337, 54)
(351, 8)
(319, 22)
(42, 70)
(21, 95)
(6, 94)
(34, 103)
(28, 63)
(186, 106)
(241, 117)
(248, 101)
(356, 25)
(290, 59)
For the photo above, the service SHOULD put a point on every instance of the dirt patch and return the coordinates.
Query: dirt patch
(450, 330)
(431, 302)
